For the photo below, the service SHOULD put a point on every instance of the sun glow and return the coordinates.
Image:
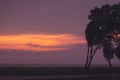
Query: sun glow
(39, 42)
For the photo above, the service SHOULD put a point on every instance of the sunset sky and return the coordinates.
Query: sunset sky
(46, 31)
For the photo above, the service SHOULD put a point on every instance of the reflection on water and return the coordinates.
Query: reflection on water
(69, 77)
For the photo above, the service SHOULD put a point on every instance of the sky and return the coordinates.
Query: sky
(46, 31)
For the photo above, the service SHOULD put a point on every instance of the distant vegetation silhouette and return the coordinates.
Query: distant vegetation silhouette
(103, 31)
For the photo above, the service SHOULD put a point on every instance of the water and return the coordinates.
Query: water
(48, 72)
(65, 77)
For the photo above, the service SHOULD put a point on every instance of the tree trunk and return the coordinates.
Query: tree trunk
(90, 55)
(90, 61)
(87, 59)
(110, 65)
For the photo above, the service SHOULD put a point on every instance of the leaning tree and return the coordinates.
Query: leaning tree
(103, 31)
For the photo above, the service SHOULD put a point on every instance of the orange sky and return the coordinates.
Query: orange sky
(39, 42)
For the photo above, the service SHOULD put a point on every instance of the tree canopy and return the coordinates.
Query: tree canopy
(103, 31)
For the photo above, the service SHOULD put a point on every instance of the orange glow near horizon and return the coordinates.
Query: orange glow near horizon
(39, 42)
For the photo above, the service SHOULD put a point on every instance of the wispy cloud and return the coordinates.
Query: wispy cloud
(39, 42)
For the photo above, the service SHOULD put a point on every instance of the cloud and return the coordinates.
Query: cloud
(33, 45)
(39, 42)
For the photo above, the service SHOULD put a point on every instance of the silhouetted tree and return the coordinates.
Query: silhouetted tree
(108, 51)
(102, 31)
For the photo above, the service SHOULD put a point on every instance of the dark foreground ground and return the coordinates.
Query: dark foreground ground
(58, 73)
